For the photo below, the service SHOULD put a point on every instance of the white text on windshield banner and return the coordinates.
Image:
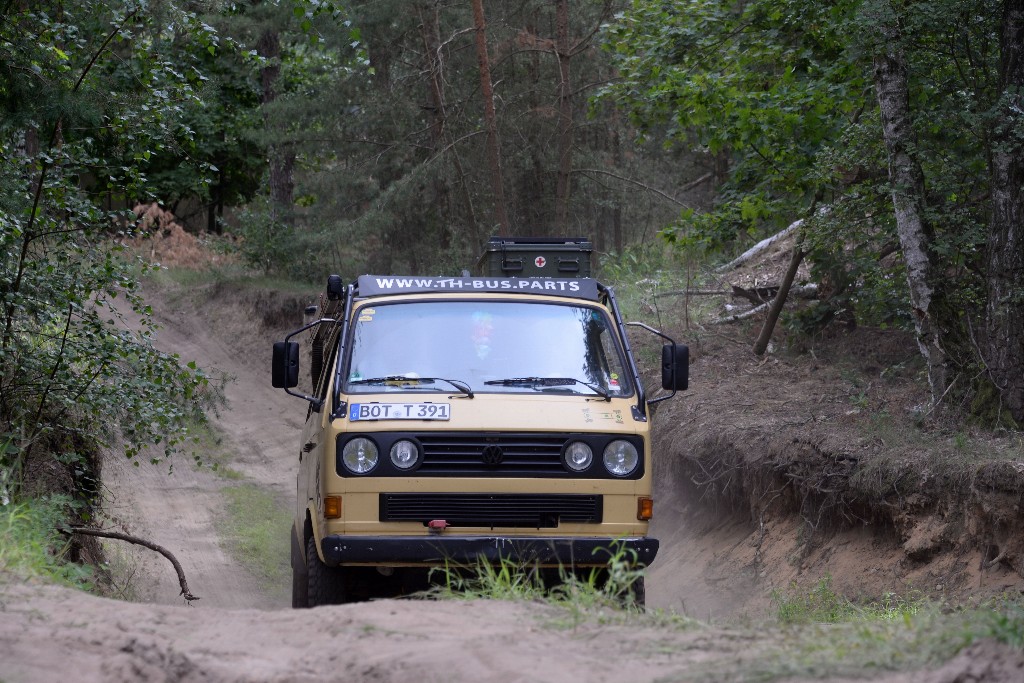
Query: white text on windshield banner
(583, 288)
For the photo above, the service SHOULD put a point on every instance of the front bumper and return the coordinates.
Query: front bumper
(470, 550)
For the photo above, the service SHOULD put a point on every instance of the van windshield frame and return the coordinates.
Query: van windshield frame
(482, 342)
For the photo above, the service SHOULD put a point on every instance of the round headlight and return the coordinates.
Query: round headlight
(359, 455)
(404, 454)
(621, 458)
(578, 456)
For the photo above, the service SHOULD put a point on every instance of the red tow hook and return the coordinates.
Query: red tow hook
(437, 525)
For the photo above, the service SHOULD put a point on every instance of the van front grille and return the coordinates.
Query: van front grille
(535, 511)
(461, 454)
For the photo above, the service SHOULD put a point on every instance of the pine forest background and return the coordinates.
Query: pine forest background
(325, 137)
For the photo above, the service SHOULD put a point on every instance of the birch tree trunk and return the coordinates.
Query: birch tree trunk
(908, 198)
(1004, 252)
(490, 120)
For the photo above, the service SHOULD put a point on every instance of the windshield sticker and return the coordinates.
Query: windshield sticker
(483, 328)
(366, 318)
(605, 415)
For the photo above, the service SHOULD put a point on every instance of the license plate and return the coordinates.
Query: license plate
(399, 411)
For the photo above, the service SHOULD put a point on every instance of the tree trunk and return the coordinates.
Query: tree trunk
(430, 32)
(282, 157)
(490, 120)
(1004, 250)
(908, 198)
(444, 140)
(562, 53)
(761, 345)
(617, 238)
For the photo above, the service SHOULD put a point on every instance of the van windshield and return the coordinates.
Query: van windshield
(489, 346)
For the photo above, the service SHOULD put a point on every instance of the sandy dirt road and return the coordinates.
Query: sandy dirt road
(182, 507)
(54, 634)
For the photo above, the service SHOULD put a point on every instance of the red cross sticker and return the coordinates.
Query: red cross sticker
(540, 261)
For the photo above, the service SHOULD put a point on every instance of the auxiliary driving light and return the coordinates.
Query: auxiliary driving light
(405, 454)
(578, 456)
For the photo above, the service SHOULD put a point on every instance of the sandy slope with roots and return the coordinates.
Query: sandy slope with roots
(243, 631)
(181, 506)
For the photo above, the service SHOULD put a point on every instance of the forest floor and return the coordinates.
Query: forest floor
(776, 473)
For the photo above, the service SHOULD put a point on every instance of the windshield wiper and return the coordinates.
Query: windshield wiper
(549, 382)
(458, 384)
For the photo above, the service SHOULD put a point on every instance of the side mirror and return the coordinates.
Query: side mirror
(675, 367)
(284, 371)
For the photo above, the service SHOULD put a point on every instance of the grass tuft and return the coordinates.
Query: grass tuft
(822, 605)
(32, 548)
(256, 533)
(606, 595)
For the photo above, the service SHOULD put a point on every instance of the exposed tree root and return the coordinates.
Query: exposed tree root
(88, 531)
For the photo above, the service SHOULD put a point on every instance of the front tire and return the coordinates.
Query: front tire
(300, 578)
(639, 593)
(325, 585)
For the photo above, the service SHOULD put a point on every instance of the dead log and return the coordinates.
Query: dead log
(755, 295)
(693, 292)
(740, 316)
(88, 531)
(759, 247)
(808, 291)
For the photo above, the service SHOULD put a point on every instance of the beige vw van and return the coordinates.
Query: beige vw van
(460, 420)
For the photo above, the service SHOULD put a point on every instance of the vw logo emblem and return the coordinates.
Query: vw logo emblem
(493, 456)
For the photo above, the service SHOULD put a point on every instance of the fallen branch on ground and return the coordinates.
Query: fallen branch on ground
(88, 531)
(740, 316)
(808, 291)
(756, 295)
(759, 247)
(694, 292)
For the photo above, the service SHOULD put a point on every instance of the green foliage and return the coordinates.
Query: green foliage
(580, 591)
(765, 85)
(921, 635)
(780, 93)
(616, 584)
(75, 130)
(30, 545)
(506, 580)
(386, 179)
(1002, 621)
(636, 262)
(214, 156)
(822, 605)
